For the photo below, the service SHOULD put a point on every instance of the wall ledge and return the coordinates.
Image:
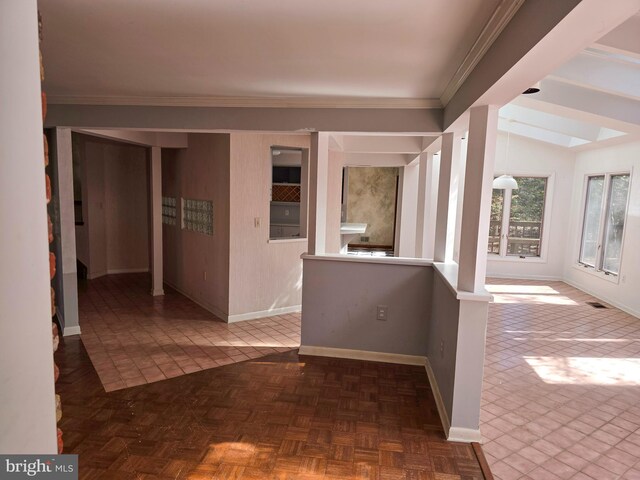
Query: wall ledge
(362, 355)
(449, 273)
(416, 262)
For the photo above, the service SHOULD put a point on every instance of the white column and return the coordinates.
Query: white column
(450, 151)
(483, 122)
(156, 221)
(318, 192)
(405, 241)
(69, 300)
(334, 196)
(425, 221)
(27, 403)
(455, 203)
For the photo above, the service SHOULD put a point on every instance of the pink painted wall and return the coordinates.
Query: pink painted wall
(114, 237)
(264, 275)
(200, 172)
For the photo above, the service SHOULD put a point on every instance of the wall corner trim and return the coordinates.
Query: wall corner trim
(442, 411)
(467, 435)
(68, 331)
(362, 355)
(239, 317)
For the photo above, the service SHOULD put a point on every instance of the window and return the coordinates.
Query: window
(517, 219)
(197, 216)
(605, 210)
(287, 206)
(169, 210)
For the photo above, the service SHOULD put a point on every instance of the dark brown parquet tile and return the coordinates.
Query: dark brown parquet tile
(283, 416)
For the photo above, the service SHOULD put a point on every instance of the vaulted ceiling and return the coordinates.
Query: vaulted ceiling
(590, 101)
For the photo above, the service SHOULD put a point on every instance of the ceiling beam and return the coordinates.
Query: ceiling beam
(579, 114)
(542, 35)
(548, 121)
(381, 144)
(591, 101)
(412, 121)
(609, 75)
(377, 159)
(146, 139)
(623, 39)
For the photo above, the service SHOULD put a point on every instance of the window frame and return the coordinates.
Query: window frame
(304, 194)
(546, 218)
(597, 269)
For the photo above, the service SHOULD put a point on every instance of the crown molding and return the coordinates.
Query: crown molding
(501, 16)
(249, 102)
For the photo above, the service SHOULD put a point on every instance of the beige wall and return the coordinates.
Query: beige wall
(126, 208)
(194, 263)
(263, 275)
(114, 237)
(372, 200)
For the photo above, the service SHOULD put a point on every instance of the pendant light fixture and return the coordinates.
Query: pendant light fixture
(504, 182)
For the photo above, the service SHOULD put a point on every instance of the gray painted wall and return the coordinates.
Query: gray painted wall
(340, 300)
(443, 328)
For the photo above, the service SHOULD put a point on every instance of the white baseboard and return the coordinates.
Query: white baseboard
(157, 293)
(94, 275)
(210, 308)
(442, 411)
(115, 271)
(239, 317)
(362, 355)
(466, 435)
(71, 331)
(605, 298)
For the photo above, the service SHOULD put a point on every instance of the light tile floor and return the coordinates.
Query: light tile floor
(133, 338)
(561, 394)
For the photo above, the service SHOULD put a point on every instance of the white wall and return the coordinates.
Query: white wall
(27, 404)
(528, 157)
(115, 234)
(264, 275)
(623, 290)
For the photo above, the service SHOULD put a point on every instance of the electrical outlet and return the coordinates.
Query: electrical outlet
(441, 348)
(382, 313)
(256, 222)
(286, 212)
(204, 274)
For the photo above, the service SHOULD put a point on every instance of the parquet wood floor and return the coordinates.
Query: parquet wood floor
(283, 416)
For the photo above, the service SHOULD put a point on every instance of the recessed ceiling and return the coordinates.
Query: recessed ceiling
(404, 49)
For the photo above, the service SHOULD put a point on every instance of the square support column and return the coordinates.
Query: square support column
(443, 245)
(155, 173)
(318, 192)
(483, 123)
(405, 241)
(69, 300)
(425, 220)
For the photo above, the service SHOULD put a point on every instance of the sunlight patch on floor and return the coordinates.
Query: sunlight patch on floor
(535, 299)
(522, 289)
(587, 370)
